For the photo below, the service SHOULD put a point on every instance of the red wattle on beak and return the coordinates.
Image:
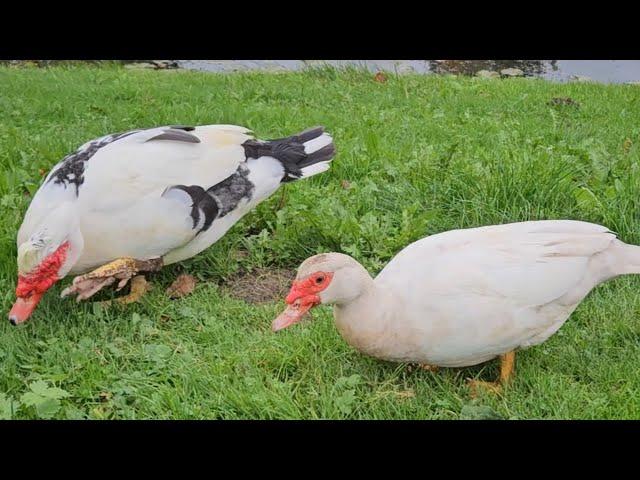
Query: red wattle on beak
(296, 292)
(300, 301)
(303, 296)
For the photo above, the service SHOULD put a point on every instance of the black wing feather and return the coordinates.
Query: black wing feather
(176, 135)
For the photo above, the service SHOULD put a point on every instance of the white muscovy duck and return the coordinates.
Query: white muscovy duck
(134, 201)
(463, 297)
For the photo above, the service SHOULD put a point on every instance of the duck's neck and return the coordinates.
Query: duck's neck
(365, 321)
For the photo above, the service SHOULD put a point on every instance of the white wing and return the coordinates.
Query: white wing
(156, 192)
(119, 185)
(528, 263)
(473, 294)
(131, 168)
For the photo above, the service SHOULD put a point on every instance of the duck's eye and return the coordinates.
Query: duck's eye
(319, 279)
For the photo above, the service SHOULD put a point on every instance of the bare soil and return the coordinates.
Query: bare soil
(261, 285)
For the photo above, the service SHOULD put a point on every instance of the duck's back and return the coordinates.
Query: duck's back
(170, 191)
(473, 294)
(145, 162)
(115, 184)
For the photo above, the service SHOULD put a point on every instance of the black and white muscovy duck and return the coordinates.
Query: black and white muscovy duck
(132, 202)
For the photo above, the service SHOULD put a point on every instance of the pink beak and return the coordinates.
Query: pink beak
(292, 314)
(23, 308)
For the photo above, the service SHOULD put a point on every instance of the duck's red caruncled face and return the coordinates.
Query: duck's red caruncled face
(33, 285)
(302, 297)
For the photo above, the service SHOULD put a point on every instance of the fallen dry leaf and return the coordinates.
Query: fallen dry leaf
(183, 285)
(345, 184)
(626, 146)
(380, 77)
(42, 172)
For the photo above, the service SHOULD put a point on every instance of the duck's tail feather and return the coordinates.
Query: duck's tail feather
(302, 155)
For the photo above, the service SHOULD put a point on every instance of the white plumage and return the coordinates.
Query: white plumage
(463, 297)
(166, 192)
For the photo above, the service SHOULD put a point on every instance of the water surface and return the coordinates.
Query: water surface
(606, 71)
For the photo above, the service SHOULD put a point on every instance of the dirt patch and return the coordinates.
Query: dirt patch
(260, 285)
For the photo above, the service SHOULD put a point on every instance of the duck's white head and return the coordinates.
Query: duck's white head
(43, 259)
(327, 278)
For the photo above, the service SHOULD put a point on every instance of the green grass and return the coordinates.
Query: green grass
(423, 154)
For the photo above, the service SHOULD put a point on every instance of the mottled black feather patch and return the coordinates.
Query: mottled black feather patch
(232, 190)
(176, 135)
(219, 200)
(71, 169)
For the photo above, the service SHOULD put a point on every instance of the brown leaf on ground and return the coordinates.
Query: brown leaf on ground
(183, 285)
(345, 184)
(380, 77)
(626, 145)
(42, 172)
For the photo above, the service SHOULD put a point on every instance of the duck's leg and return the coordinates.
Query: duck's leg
(507, 368)
(122, 269)
(139, 286)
